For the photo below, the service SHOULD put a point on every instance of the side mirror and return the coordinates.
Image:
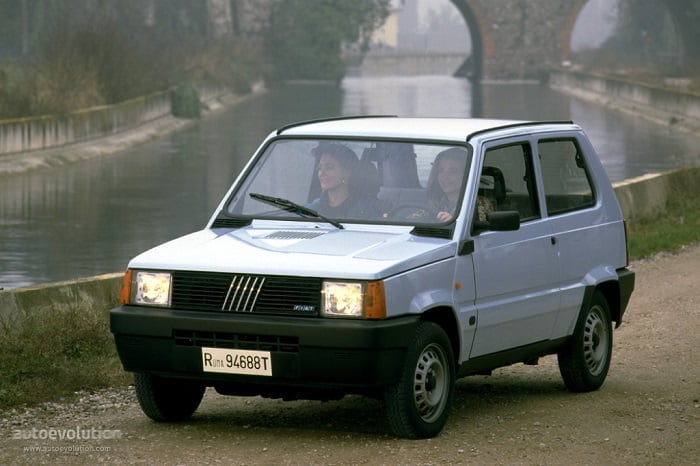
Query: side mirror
(507, 220)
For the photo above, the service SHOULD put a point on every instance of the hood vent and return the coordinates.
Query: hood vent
(293, 235)
(230, 222)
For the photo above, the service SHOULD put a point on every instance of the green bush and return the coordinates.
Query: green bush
(184, 102)
(17, 87)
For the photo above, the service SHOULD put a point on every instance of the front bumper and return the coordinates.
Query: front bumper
(306, 352)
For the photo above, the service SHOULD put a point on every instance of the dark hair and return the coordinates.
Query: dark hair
(458, 154)
(345, 157)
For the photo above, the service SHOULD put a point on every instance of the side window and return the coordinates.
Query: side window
(507, 182)
(567, 186)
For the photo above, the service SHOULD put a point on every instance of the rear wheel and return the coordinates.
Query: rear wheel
(585, 361)
(166, 399)
(418, 405)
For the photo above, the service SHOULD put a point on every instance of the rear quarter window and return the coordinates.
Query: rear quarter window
(565, 177)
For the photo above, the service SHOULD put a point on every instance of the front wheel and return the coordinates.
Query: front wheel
(418, 405)
(166, 399)
(585, 361)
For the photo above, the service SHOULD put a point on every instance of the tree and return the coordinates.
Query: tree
(645, 35)
(305, 37)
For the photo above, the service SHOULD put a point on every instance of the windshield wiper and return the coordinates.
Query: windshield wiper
(289, 206)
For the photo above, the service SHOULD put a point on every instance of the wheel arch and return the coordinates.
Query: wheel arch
(605, 280)
(444, 316)
(610, 289)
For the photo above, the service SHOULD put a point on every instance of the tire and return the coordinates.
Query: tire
(166, 399)
(585, 361)
(418, 405)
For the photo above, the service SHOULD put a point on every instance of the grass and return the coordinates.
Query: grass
(677, 226)
(55, 353)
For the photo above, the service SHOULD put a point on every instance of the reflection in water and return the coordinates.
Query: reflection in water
(428, 96)
(91, 217)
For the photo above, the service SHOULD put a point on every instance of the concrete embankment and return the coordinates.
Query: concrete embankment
(30, 143)
(677, 108)
(100, 292)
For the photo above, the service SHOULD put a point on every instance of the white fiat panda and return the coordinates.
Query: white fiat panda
(387, 257)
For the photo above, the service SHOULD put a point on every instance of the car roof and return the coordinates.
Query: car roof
(447, 129)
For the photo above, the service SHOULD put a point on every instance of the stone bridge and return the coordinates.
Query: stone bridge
(520, 38)
(512, 39)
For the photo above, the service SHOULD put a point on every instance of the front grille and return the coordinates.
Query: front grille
(236, 341)
(241, 293)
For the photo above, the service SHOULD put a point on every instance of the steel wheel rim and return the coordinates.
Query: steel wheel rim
(430, 383)
(596, 341)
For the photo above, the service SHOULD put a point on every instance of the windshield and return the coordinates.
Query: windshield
(354, 181)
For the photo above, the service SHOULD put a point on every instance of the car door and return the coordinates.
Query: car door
(516, 298)
(583, 241)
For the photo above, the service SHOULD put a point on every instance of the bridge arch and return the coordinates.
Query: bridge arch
(481, 35)
(522, 39)
(509, 40)
(567, 31)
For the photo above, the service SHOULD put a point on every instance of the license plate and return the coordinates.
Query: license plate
(235, 361)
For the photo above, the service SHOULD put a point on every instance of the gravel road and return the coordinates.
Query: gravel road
(648, 411)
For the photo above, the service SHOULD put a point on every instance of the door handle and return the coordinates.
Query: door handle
(553, 239)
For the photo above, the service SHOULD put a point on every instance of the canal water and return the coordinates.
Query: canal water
(91, 217)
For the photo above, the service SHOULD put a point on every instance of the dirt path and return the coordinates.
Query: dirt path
(648, 411)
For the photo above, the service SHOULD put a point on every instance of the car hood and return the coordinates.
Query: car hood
(331, 253)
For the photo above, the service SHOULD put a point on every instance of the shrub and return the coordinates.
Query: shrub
(184, 102)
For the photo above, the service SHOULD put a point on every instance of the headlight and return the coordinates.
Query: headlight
(354, 299)
(151, 288)
(342, 299)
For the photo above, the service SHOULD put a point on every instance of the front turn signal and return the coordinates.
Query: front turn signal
(375, 301)
(125, 294)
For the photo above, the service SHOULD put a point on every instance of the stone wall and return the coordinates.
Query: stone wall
(101, 292)
(646, 196)
(525, 36)
(46, 132)
(251, 16)
(665, 106)
(408, 64)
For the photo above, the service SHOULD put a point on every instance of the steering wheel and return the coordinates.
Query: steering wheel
(412, 212)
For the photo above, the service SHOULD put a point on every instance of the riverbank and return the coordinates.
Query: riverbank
(117, 142)
(675, 108)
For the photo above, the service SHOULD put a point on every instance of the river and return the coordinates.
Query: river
(91, 217)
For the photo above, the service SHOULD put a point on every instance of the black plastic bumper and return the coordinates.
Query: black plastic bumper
(625, 279)
(305, 352)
